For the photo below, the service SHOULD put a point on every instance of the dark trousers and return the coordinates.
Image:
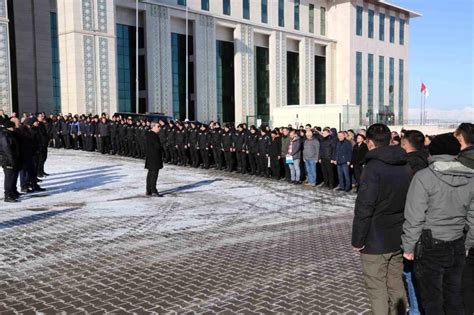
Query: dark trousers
(328, 173)
(182, 154)
(253, 163)
(194, 156)
(151, 179)
(242, 156)
(263, 164)
(229, 161)
(344, 177)
(205, 158)
(275, 167)
(67, 141)
(11, 178)
(57, 141)
(42, 156)
(216, 152)
(468, 284)
(439, 275)
(28, 174)
(287, 172)
(105, 144)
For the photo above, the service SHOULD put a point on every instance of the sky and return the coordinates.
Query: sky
(442, 55)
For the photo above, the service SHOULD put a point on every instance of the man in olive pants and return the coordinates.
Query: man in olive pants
(378, 220)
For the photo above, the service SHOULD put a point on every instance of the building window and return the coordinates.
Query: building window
(391, 86)
(281, 13)
(360, 11)
(262, 86)
(297, 14)
(382, 26)
(226, 6)
(311, 18)
(401, 73)
(323, 21)
(358, 78)
(178, 68)
(264, 11)
(225, 81)
(293, 78)
(205, 5)
(181, 2)
(392, 29)
(402, 32)
(371, 23)
(320, 80)
(55, 62)
(246, 9)
(381, 84)
(370, 88)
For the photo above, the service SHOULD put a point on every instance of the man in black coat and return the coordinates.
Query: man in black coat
(43, 143)
(154, 159)
(9, 160)
(378, 221)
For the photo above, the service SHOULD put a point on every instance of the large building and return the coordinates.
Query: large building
(276, 60)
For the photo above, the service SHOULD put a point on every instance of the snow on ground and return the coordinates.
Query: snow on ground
(103, 186)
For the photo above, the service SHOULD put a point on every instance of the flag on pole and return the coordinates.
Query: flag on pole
(424, 90)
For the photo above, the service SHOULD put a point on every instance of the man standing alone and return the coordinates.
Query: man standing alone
(154, 159)
(378, 221)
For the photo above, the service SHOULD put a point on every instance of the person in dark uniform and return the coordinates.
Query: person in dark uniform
(181, 144)
(123, 138)
(227, 147)
(104, 135)
(216, 145)
(154, 159)
(192, 144)
(75, 131)
(262, 153)
(252, 148)
(130, 138)
(274, 151)
(29, 156)
(43, 138)
(83, 133)
(171, 141)
(113, 128)
(56, 133)
(239, 147)
(9, 160)
(64, 132)
(203, 145)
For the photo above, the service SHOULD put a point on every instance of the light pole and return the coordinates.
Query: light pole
(187, 61)
(137, 86)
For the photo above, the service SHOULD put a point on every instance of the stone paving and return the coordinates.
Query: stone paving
(237, 245)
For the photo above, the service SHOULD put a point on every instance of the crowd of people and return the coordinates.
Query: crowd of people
(414, 213)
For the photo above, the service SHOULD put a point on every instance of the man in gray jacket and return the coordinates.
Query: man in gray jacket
(439, 206)
(311, 157)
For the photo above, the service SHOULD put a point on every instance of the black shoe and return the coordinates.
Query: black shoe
(148, 194)
(38, 188)
(10, 199)
(40, 175)
(27, 190)
(45, 174)
(155, 194)
(39, 180)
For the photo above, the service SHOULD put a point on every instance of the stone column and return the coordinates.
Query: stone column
(5, 76)
(158, 41)
(87, 53)
(278, 77)
(306, 60)
(205, 63)
(244, 72)
(330, 73)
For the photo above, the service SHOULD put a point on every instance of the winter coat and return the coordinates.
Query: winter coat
(311, 149)
(440, 199)
(274, 149)
(263, 143)
(9, 150)
(227, 141)
(418, 160)
(380, 203)
(343, 152)
(327, 147)
(358, 154)
(153, 152)
(239, 141)
(252, 143)
(285, 141)
(295, 148)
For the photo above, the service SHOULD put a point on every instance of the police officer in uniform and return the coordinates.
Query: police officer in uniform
(9, 160)
(252, 148)
(154, 159)
(203, 144)
(227, 147)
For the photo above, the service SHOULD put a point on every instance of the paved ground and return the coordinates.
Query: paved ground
(217, 243)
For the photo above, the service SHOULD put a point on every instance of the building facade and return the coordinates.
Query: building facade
(225, 60)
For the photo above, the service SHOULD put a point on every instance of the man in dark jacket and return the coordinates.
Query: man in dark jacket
(153, 159)
(274, 152)
(413, 143)
(378, 220)
(43, 138)
(342, 158)
(9, 160)
(327, 149)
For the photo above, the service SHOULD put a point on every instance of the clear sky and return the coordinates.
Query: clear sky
(441, 52)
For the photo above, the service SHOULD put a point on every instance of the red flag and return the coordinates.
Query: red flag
(423, 87)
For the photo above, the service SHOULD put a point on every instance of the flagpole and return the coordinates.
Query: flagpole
(421, 108)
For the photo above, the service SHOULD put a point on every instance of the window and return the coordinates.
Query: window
(392, 29)
(281, 13)
(360, 11)
(401, 72)
(391, 86)
(323, 21)
(320, 80)
(381, 83)
(311, 18)
(402, 32)
(181, 2)
(226, 6)
(55, 62)
(358, 78)
(262, 83)
(246, 9)
(297, 14)
(205, 5)
(382, 26)
(293, 78)
(370, 87)
(371, 23)
(264, 11)
(225, 81)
